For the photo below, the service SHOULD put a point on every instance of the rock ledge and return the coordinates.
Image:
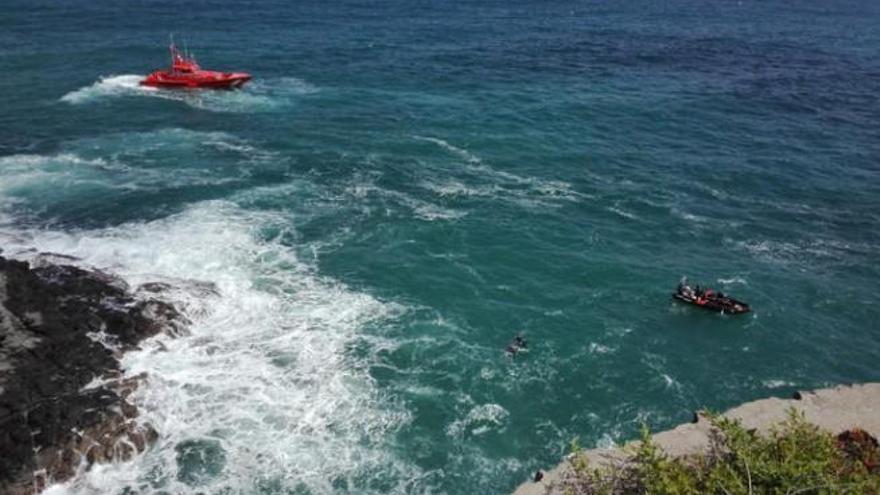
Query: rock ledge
(839, 409)
(63, 398)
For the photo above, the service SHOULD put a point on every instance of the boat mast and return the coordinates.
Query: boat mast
(171, 48)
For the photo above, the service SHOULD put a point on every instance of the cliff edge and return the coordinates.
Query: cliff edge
(834, 409)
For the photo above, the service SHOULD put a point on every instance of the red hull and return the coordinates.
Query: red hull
(196, 79)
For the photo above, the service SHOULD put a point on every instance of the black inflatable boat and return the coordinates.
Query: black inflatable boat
(709, 299)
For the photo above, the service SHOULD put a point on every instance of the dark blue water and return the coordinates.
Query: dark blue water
(406, 185)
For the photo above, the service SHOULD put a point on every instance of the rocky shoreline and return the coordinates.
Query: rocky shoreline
(837, 409)
(63, 396)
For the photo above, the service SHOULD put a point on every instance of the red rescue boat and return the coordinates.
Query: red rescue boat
(186, 73)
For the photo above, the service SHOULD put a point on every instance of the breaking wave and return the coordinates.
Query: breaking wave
(263, 391)
(90, 173)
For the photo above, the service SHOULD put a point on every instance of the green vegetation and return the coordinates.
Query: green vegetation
(795, 457)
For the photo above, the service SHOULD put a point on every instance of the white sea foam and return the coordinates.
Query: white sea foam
(454, 188)
(290, 85)
(771, 250)
(483, 180)
(461, 152)
(421, 209)
(86, 166)
(110, 86)
(670, 382)
(715, 193)
(657, 364)
(24, 174)
(262, 387)
(597, 348)
(802, 252)
(623, 213)
(431, 212)
(777, 383)
(479, 420)
(607, 441)
(27, 162)
(690, 217)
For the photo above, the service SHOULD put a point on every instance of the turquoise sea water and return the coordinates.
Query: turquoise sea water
(406, 185)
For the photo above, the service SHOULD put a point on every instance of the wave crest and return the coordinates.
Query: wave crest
(267, 358)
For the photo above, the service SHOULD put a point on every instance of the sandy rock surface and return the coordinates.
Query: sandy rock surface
(834, 409)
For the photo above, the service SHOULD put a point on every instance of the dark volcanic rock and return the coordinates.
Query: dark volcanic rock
(60, 328)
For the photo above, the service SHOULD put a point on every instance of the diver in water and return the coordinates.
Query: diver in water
(519, 343)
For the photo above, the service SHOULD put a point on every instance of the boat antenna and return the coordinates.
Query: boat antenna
(171, 46)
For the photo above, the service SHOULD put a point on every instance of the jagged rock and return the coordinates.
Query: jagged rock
(155, 287)
(860, 447)
(61, 327)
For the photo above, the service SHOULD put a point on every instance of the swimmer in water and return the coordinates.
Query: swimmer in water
(519, 343)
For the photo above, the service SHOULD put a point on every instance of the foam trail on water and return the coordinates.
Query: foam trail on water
(127, 84)
(622, 213)
(263, 395)
(21, 172)
(463, 153)
(527, 191)
(116, 165)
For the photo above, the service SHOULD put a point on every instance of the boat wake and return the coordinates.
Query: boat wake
(110, 86)
(260, 96)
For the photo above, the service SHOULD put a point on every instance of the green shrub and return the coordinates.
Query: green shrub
(795, 457)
